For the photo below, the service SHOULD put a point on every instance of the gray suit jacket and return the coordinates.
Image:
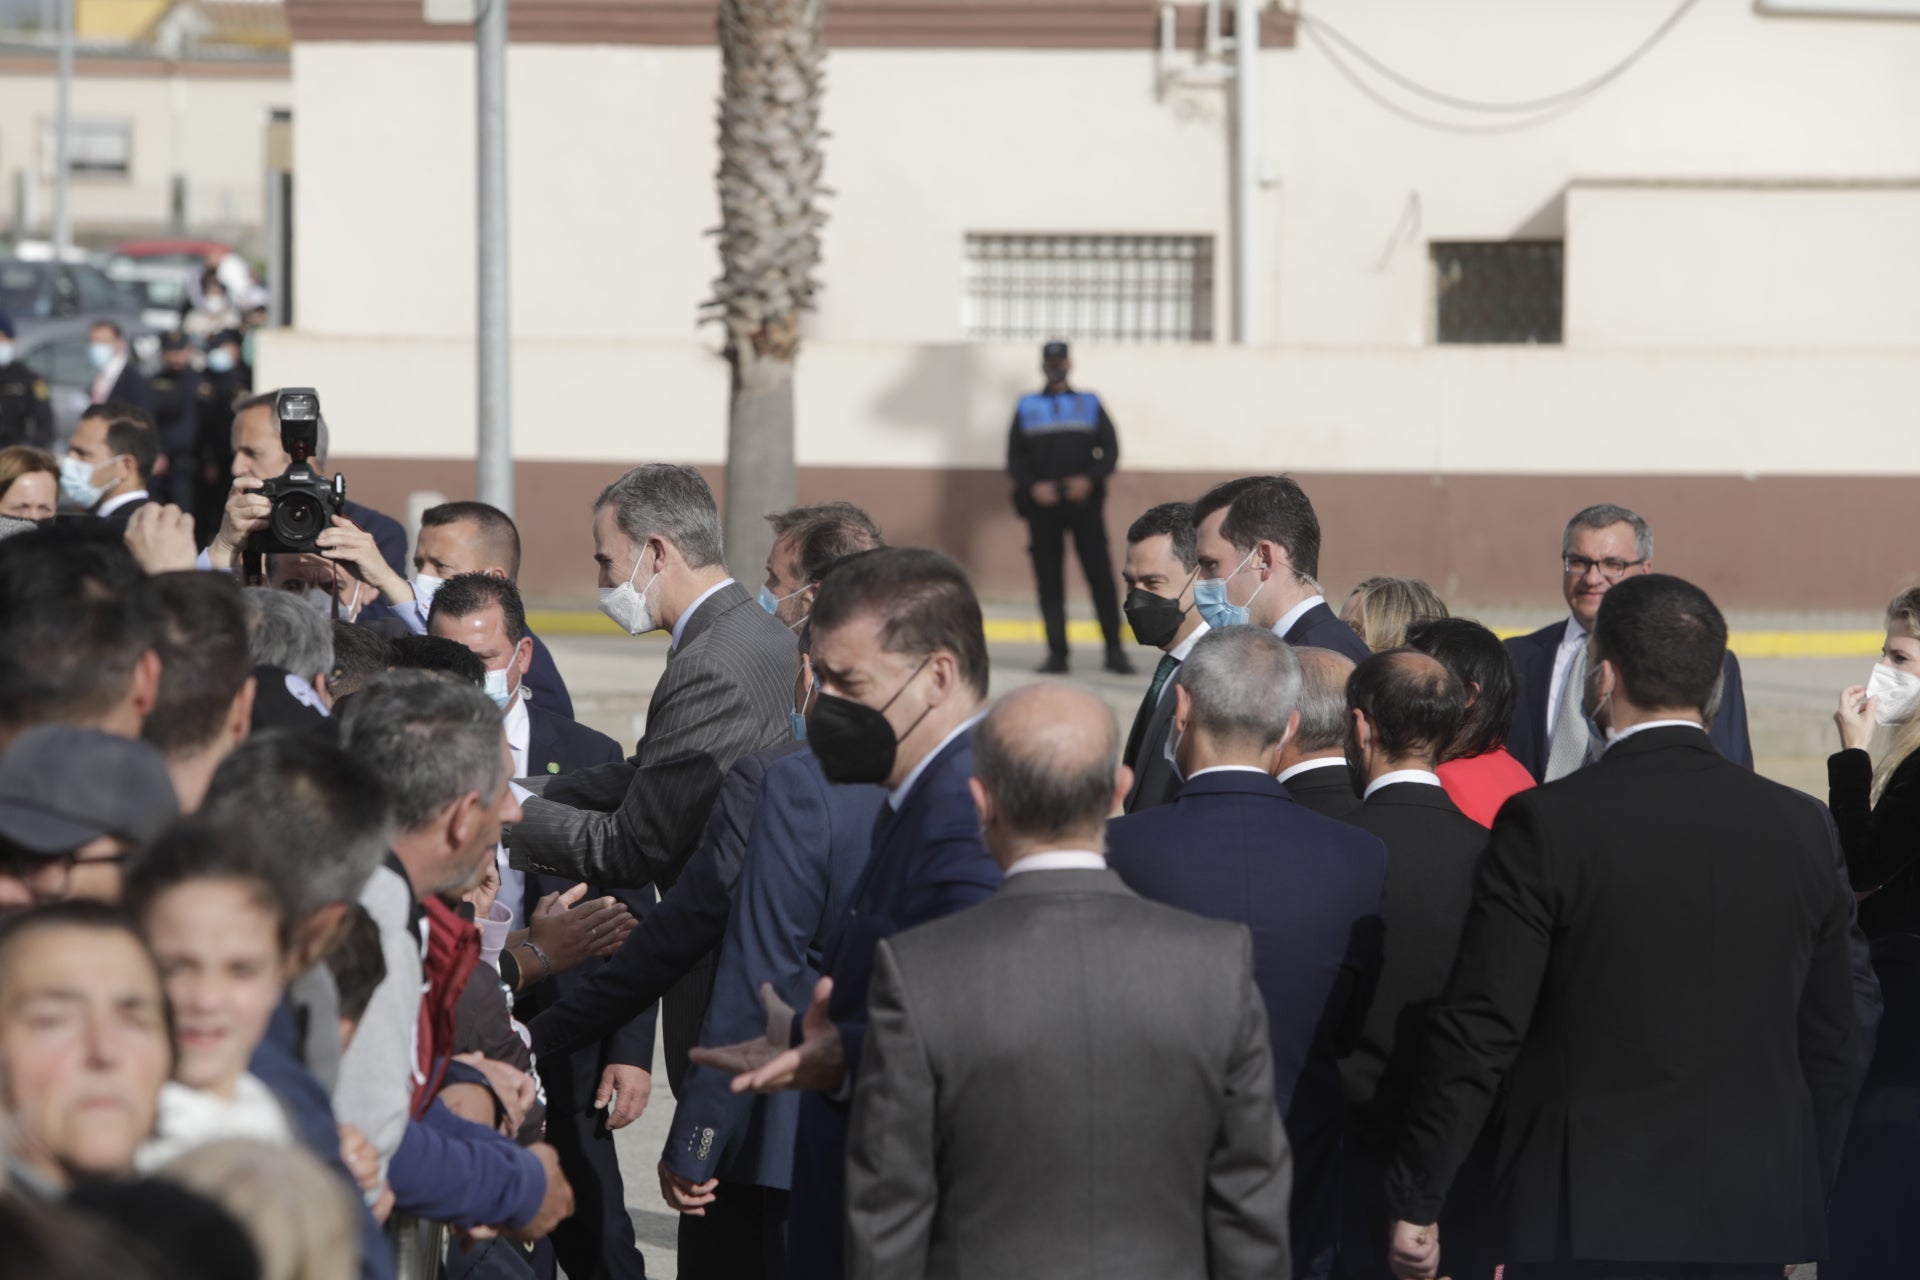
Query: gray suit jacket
(1067, 1081)
(1154, 781)
(727, 690)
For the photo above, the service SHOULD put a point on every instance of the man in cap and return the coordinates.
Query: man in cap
(74, 803)
(26, 412)
(1060, 451)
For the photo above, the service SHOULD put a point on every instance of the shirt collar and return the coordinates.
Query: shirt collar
(519, 727)
(1644, 725)
(1180, 651)
(1060, 860)
(1576, 635)
(898, 796)
(1422, 776)
(680, 627)
(1227, 768)
(1294, 615)
(112, 505)
(1307, 766)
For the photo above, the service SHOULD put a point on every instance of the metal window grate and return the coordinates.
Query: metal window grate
(1097, 288)
(1507, 291)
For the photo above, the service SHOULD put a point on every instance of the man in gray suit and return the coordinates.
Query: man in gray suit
(1113, 1048)
(726, 691)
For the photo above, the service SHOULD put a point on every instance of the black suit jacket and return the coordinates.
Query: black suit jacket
(1655, 980)
(670, 953)
(1321, 628)
(1328, 790)
(1154, 780)
(117, 521)
(1527, 739)
(132, 387)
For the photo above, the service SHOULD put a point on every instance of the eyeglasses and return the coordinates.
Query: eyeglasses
(49, 878)
(1611, 570)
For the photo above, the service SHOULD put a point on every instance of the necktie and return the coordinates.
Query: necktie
(1161, 674)
(1574, 742)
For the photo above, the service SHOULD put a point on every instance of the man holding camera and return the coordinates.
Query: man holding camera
(259, 455)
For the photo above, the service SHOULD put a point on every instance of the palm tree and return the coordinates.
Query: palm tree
(772, 61)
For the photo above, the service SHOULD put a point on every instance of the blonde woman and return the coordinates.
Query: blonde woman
(298, 1213)
(1877, 808)
(1380, 610)
(29, 483)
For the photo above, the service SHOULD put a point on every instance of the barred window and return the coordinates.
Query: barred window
(95, 148)
(1505, 291)
(1097, 288)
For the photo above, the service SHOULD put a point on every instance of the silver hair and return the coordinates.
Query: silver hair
(1323, 700)
(431, 739)
(1605, 515)
(1244, 682)
(671, 502)
(283, 630)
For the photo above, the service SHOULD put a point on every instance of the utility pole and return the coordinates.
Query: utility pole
(1246, 175)
(494, 454)
(62, 96)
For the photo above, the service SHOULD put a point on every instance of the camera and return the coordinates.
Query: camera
(304, 504)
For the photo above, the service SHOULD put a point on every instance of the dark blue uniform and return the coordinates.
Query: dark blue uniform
(1056, 435)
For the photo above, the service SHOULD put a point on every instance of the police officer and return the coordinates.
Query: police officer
(178, 390)
(1060, 451)
(26, 410)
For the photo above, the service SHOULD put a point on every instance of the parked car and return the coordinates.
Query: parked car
(39, 294)
(57, 351)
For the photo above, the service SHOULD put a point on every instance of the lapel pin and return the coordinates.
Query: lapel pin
(553, 766)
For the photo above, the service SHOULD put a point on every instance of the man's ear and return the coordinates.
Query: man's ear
(982, 801)
(240, 711)
(462, 819)
(315, 937)
(1122, 786)
(523, 655)
(1357, 730)
(145, 690)
(1182, 708)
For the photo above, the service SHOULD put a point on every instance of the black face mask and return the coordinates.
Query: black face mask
(1155, 619)
(852, 741)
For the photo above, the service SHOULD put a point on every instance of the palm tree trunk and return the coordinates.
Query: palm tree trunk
(772, 56)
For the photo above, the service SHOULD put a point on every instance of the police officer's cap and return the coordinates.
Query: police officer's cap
(175, 342)
(226, 337)
(6, 324)
(1055, 350)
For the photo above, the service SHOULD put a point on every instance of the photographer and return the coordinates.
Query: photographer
(259, 455)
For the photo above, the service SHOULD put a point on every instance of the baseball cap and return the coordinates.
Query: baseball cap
(1055, 350)
(62, 786)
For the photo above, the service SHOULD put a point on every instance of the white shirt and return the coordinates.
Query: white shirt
(1570, 646)
(189, 1118)
(1181, 652)
(513, 884)
(1421, 776)
(112, 505)
(1308, 765)
(1294, 615)
(1645, 725)
(1061, 860)
(104, 381)
(898, 796)
(680, 627)
(1225, 768)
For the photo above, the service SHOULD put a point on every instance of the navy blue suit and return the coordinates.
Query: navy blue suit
(597, 1242)
(1236, 846)
(1321, 628)
(386, 531)
(927, 862)
(544, 683)
(1527, 739)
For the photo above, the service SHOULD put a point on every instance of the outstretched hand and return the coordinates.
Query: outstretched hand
(818, 1062)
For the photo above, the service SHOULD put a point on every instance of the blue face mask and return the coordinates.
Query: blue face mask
(1210, 597)
(771, 603)
(800, 716)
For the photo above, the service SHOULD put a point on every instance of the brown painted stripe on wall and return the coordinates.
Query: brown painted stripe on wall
(1786, 542)
(851, 24)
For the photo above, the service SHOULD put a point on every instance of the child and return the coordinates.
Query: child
(219, 925)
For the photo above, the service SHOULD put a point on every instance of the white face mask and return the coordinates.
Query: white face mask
(498, 690)
(322, 600)
(6, 353)
(1898, 691)
(100, 354)
(76, 482)
(628, 608)
(425, 587)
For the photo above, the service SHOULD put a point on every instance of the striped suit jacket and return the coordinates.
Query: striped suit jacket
(727, 690)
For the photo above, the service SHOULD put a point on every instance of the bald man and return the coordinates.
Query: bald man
(1040, 1033)
(1403, 709)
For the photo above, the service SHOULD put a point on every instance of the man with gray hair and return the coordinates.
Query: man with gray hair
(1313, 763)
(725, 692)
(1551, 735)
(1193, 1181)
(285, 631)
(1234, 845)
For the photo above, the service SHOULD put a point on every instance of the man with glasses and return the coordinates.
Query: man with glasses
(1551, 733)
(74, 804)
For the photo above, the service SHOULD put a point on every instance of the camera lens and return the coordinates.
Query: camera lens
(298, 519)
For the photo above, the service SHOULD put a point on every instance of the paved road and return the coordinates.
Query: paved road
(1789, 700)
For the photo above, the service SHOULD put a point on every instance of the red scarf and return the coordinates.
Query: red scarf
(453, 949)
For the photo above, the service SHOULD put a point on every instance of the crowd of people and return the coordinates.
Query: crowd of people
(1373, 946)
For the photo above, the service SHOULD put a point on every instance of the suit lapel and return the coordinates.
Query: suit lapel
(1539, 682)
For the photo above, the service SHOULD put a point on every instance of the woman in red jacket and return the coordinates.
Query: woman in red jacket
(1477, 772)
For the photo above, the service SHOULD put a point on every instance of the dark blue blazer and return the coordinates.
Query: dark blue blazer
(673, 937)
(553, 740)
(1236, 846)
(1321, 628)
(544, 683)
(928, 862)
(1527, 739)
(386, 531)
(809, 843)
